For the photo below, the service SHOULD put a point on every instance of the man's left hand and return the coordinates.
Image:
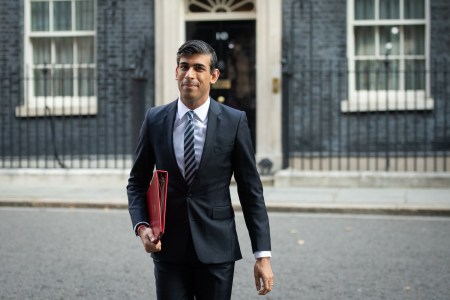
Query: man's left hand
(263, 275)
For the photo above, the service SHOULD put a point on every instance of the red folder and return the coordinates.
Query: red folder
(156, 199)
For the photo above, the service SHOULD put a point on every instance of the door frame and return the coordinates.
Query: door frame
(170, 20)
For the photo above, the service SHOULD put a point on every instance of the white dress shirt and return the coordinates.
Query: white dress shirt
(200, 123)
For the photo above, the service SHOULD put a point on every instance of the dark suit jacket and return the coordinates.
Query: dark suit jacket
(202, 211)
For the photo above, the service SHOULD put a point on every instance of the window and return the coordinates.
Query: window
(59, 58)
(388, 55)
(220, 6)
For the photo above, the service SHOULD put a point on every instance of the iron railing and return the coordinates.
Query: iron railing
(56, 129)
(327, 126)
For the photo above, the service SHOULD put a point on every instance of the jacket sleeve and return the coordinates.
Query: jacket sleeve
(140, 175)
(250, 188)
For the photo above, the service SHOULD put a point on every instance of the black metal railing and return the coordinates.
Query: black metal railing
(58, 128)
(370, 118)
(326, 125)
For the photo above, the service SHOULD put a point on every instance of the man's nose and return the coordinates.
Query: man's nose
(190, 73)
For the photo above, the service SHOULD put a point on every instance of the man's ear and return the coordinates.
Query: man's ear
(176, 73)
(215, 76)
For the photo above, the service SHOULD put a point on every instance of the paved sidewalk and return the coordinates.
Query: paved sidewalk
(50, 189)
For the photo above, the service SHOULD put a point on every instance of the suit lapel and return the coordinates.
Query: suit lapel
(168, 128)
(211, 131)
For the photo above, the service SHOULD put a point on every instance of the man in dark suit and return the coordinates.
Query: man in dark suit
(195, 257)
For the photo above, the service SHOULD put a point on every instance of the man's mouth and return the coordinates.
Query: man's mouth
(189, 84)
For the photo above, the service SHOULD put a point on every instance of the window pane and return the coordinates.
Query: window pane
(364, 9)
(42, 83)
(389, 76)
(64, 50)
(414, 9)
(389, 40)
(63, 82)
(84, 11)
(86, 82)
(85, 49)
(39, 16)
(414, 40)
(389, 9)
(62, 15)
(367, 75)
(415, 74)
(41, 51)
(365, 40)
(377, 75)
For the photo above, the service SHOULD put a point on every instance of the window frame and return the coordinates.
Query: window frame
(72, 105)
(382, 99)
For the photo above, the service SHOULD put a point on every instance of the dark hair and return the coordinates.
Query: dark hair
(198, 47)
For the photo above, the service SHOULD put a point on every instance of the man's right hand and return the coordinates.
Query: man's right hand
(151, 244)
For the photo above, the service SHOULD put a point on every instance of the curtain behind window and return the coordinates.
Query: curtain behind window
(40, 16)
(389, 9)
(364, 9)
(414, 9)
(62, 16)
(86, 73)
(84, 11)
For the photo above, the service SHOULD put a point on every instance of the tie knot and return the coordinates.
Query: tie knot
(190, 115)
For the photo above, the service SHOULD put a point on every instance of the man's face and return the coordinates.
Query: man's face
(195, 78)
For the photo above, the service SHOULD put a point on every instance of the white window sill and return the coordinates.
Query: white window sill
(55, 107)
(366, 101)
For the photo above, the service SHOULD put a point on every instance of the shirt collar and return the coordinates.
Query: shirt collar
(201, 112)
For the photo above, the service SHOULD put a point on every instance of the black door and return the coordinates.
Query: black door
(234, 42)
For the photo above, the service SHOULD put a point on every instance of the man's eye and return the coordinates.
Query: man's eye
(184, 68)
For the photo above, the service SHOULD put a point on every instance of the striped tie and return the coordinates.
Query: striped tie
(189, 152)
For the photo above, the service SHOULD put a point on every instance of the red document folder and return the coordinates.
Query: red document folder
(156, 199)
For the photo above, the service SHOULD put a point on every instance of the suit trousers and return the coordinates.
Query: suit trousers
(191, 279)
